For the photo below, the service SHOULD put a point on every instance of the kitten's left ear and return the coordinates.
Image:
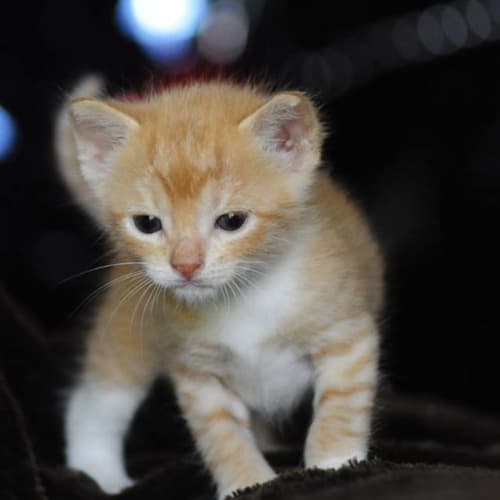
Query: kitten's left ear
(100, 131)
(288, 128)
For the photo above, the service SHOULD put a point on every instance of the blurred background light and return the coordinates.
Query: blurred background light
(478, 19)
(494, 8)
(163, 28)
(223, 36)
(430, 33)
(405, 40)
(454, 26)
(7, 133)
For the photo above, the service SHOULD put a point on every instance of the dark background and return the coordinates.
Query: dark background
(415, 137)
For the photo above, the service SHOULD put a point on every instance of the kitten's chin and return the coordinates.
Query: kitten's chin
(192, 294)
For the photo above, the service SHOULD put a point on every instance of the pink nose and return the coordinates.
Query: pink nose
(186, 270)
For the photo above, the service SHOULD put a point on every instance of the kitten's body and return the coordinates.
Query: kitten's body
(286, 304)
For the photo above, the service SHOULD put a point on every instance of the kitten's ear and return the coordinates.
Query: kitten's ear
(100, 131)
(287, 126)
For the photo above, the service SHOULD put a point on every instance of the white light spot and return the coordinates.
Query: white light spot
(405, 40)
(7, 133)
(478, 19)
(164, 28)
(454, 26)
(223, 37)
(164, 16)
(430, 33)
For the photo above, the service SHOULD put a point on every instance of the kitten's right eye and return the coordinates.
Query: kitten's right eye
(231, 221)
(147, 223)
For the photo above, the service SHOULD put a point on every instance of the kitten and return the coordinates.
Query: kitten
(243, 273)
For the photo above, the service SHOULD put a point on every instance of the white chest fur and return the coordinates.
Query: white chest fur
(267, 377)
(271, 381)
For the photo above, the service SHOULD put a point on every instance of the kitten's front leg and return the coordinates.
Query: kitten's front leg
(346, 371)
(98, 415)
(117, 371)
(220, 425)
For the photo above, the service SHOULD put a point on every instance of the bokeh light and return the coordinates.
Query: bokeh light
(405, 40)
(454, 26)
(163, 28)
(430, 33)
(479, 19)
(223, 36)
(7, 133)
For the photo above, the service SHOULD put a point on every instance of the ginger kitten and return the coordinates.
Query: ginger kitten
(241, 272)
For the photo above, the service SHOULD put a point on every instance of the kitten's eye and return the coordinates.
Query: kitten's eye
(231, 221)
(147, 223)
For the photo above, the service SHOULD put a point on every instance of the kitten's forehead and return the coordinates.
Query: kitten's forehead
(197, 156)
(185, 189)
(195, 123)
(189, 200)
(194, 143)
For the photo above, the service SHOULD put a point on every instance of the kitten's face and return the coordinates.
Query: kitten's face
(202, 229)
(203, 187)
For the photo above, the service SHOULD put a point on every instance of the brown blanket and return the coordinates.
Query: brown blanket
(421, 450)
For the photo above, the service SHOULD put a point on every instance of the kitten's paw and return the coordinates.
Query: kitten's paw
(268, 476)
(111, 479)
(336, 461)
(113, 484)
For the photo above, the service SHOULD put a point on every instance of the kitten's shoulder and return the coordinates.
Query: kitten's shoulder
(344, 244)
(334, 203)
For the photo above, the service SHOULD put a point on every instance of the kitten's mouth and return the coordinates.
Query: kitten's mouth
(193, 291)
(191, 284)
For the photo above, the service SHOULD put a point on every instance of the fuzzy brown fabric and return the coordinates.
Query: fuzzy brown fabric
(422, 449)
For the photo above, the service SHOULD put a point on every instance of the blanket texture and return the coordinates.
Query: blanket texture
(421, 449)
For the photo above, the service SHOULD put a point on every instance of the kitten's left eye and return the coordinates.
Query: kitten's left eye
(231, 221)
(147, 223)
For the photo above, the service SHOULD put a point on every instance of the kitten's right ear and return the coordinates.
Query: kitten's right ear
(287, 127)
(100, 132)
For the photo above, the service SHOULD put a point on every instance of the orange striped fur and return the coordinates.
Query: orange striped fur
(288, 301)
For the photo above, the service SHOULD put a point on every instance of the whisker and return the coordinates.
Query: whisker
(246, 280)
(103, 287)
(234, 291)
(151, 291)
(137, 305)
(105, 255)
(251, 270)
(158, 296)
(224, 295)
(98, 268)
(142, 283)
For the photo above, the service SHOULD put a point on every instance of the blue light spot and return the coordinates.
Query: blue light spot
(163, 28)
(7, 133)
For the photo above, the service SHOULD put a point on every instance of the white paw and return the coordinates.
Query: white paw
(107, 471)
(109, 481)
(113, 483)
(96, 421)
(267, 476)
(337, 461)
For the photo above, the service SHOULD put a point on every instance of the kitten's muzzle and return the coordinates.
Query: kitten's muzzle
(187, 270)
(187, 257)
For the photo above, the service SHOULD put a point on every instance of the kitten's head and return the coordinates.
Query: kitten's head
(203, 184)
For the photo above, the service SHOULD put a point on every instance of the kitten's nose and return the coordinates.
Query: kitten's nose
(186, 270)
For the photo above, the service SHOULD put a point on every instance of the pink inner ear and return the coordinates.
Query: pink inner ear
(99, 142)
(289, 136)
(96, 144)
